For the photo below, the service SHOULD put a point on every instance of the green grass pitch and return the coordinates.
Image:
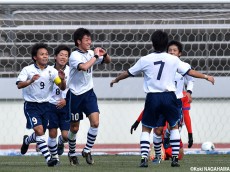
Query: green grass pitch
(110, 163)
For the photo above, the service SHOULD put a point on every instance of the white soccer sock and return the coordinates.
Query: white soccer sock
(91, 137)
(157, 141)
(72, 142)
(175, 141)
(145, 144)
(52, 145)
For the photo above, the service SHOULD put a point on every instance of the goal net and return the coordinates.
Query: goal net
(125, 32)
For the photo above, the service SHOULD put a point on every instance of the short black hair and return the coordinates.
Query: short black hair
(60, 48)
(35, 49)
(176, 43)
(159, 40)
(79, 34)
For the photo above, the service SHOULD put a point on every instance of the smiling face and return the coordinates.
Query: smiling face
(42, 57)
(85, 43)
(62, 58)
(173, 49)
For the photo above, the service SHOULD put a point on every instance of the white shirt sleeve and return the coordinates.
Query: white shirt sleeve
(136, 69)
(189, 81)
(75, 60)
(183, 67)
(23, 76)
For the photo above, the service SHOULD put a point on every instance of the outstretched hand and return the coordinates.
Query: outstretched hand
(134, 126)
(112, 82)
(211, 79)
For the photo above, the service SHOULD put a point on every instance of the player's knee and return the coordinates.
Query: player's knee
(53, 133)
(39, 131)
(158, 131)
(95, 124)
(74, 128)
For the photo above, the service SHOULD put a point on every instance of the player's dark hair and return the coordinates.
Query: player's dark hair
(60, 48)
(79, 34)
(159, 40)
(35, 49)
(176, 43)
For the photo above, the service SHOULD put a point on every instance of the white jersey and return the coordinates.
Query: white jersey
(189, 81)
(159, 71)
(58, 94)
(40, 90)
(81, 81)
(179, 82)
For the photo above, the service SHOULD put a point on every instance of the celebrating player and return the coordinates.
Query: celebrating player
(36, 81)
(184, 98)
(159, 69)
(81, 97)
(58, 112)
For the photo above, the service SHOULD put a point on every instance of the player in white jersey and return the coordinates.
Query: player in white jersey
(174, 48)
(58, 111)
(37, 81)
(159, 69)
(81, 97)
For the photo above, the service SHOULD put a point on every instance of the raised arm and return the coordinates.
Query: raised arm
(197, 74)
(120, 77)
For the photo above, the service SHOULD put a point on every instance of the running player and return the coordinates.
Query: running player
(58, 112)
(81, 97)
(36, 82)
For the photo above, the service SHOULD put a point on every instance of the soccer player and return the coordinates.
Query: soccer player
(175, 48)
(58, 112)
(159, 69)
(81, 97)
(36, 82)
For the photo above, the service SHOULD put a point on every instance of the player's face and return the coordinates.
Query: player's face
(62, 58)
(42, 57)
(85, 43)
(173, 49)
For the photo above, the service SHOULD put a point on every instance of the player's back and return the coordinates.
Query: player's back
(159, 71)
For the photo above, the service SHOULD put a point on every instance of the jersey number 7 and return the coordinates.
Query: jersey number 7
(160, 69)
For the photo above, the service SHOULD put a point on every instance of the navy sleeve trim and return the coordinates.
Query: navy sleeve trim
(186, 73)
(78, 66)
(18, 82)
(130, 73)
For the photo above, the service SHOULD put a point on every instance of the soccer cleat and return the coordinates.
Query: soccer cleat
(144, 162)
(175, 162)
(73, 160)
(157, 160)
(88, 157)
(60, 149)
(24, 147)
(52, 162)
(166, 143)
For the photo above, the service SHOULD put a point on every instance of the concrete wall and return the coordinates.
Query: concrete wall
(129, 88)
(210, 120)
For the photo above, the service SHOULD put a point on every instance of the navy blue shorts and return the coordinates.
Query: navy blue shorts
(58, 118)
(162, 119)
(85, 103)
(158, 105)
(36, 114)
